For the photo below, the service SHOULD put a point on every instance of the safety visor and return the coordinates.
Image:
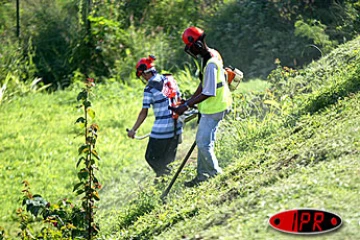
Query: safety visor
(138, 73)
(189, 49)
(192, 49)
(142, 69)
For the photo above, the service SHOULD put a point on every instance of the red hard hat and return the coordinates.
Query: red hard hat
(145, 65)
(191, 35)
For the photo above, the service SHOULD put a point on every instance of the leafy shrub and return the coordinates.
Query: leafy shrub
(63, 220)
(252, 34)
(315, 31)
(45, 24)
(52, 220)
(106, 38)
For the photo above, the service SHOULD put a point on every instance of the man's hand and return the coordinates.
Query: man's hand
(182, 101)
(131, 133)
(180, 109)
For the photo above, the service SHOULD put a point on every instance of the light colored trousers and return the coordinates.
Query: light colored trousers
(207, 163)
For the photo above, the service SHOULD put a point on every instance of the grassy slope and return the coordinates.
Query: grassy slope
(313, 164)
(317, 167)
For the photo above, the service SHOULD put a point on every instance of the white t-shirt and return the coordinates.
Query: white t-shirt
(209, 85)
(209, 89)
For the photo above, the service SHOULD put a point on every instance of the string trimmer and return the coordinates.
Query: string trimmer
(186, 117)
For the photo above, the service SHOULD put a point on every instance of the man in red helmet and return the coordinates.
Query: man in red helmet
(165, 134)
(213, 98)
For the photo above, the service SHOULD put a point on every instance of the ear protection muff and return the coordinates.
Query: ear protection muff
(199, 45)
(141, 68)
(196, 47)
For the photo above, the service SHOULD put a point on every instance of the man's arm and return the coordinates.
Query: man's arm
(141, 117)
(197, 92)
(201, 93)
(197, 97)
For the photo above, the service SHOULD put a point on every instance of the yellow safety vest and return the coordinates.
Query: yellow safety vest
(222, 100)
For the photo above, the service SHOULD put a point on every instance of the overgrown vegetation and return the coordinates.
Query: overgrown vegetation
(252, 34)
(271, 165)
(104, 39)
(291, 141)
(276, 153)
(40, 219)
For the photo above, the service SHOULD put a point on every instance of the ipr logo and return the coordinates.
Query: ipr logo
(305, 221)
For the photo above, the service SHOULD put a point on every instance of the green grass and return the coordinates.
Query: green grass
(253, 85)
(269, 165)
(317, 167)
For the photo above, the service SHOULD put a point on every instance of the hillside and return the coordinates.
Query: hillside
(293, 145)
(315, 165)
(304, 155)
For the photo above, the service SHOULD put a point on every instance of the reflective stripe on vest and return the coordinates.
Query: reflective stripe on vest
(222, 100)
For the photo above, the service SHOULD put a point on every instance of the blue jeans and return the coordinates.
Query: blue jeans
(207, 163)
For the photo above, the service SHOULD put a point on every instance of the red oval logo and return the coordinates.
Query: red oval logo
(305, 221)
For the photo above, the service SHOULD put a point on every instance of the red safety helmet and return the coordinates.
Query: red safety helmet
(191, 35)
(145, 65)
(193, 38)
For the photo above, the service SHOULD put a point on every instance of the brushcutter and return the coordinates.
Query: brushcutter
(167, 190)
(140, 137)
(182, 165)
(186, 117)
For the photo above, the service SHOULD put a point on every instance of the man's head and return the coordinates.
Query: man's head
(145, 67)
(193, 38)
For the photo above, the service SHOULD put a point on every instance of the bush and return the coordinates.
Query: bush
(252, 34)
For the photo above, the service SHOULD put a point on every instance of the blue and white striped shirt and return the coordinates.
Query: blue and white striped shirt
(164, 123)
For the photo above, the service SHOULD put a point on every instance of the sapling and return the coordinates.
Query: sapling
(65, 220)
(88, 185)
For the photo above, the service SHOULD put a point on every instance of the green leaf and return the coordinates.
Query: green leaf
(91, 112)
(95, 154)
(95, 180)
(82, 95)
(77, 186)
(83, 174)
(96, 196)
(80, 191)
(87, 104)
(84, 149)
(79, 161)
(81, 120)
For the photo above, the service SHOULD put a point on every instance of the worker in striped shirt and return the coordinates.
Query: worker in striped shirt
(166, 131)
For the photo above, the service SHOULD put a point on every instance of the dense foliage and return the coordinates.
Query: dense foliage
(293, 143)
(286, 145)
(105, 38)
(252, 34)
